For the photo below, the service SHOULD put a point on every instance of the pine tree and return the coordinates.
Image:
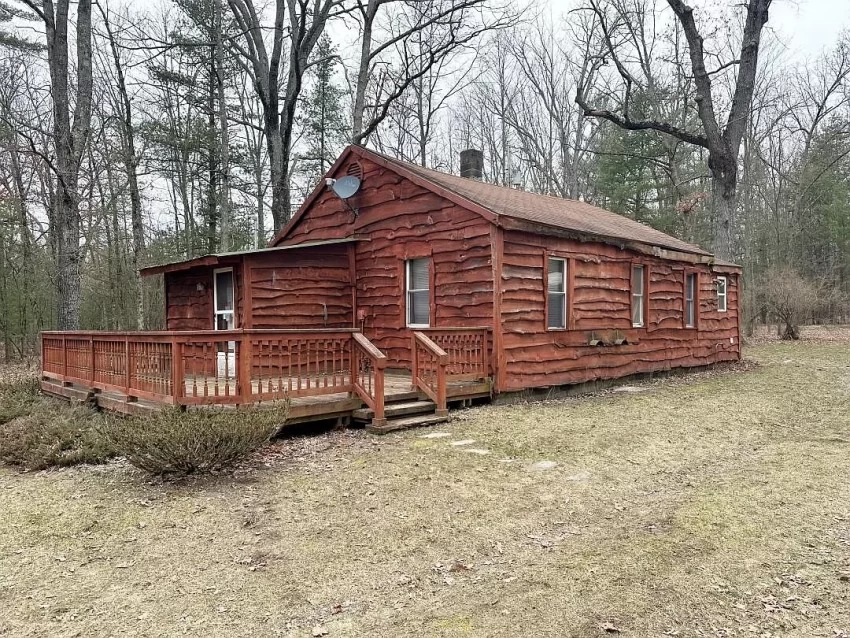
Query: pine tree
(326, 127)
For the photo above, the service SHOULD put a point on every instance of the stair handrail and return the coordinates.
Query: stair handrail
(371, 392)
(434, 387)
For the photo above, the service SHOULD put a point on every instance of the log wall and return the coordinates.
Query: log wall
(187, 307)
(600, 303)
(302, 289)
(400, 220)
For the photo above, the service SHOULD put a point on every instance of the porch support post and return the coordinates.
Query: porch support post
(414, 361)
(379, 419)
(244, 369)
(91, 362)
(64, 360)
(442, 401)
(177, 372)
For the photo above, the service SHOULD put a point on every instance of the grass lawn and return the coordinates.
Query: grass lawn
(714, 504)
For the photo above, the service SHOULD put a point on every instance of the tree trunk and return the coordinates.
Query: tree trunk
(70, 141)
(363, 74)
(724, 198)
(224, 137)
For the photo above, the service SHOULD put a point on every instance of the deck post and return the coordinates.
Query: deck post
(442, 402)
(485, 355)
(176, 370)
(244, 369)
(64, 361)
(414, 361)
(378, 418)
(91, 362)
(127, 366)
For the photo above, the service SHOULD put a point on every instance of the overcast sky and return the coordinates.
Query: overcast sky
(804, 26)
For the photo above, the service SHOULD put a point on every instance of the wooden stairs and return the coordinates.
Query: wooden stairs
(402, 411)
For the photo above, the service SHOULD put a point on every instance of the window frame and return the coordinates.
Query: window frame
(408, 306)
(564, 292)
(639, 294)
(725, 295)
(690, 275)
(216, 311)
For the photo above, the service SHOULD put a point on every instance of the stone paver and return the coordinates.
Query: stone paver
(542, 466)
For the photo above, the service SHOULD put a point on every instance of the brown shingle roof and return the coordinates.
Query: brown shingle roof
(567, 214)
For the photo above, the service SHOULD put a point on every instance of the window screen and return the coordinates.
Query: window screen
(690, 299)
(721, 294)
(418, 292)
(637, 296)
(557, 291)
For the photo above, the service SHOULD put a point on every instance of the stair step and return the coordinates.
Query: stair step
(396, 409)
(406, 422)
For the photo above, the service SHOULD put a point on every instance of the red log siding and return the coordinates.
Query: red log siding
(403, 221)
(537, 357)
(186, 307)
(294, 289)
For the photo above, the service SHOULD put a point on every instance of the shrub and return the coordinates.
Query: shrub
(18, 398)
(174, 442)
(791, 299)
(37, 432)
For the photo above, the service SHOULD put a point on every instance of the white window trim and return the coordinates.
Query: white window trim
(693, 301)
(639, 294)
(216, 311)
(408, 290)
(563, 292)
(725, 295)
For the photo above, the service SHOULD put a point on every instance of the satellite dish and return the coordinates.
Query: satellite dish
(345, 187)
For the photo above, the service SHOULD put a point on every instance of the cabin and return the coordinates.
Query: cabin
(409, 290)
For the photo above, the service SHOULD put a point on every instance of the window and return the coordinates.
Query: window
(637, 296)
(557, 294)
(223, 299)
(418, 292)
(721, 294)
(690, 300)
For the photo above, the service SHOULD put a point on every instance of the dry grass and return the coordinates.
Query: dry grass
(709, 505)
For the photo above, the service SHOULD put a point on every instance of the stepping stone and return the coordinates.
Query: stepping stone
(581, 476)
(435, 435)
(463, 442)
(542, 466)
(477, 450)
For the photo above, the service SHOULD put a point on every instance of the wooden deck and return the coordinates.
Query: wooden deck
(323, 373)
(398, 387)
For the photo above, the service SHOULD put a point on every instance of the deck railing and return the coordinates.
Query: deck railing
(468, 351)
(367, 374)
(428, 369)
(233, 367)
(218, 367)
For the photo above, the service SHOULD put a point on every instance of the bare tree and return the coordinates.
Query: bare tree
(302, 23)
(71, 136)
(451, 25)
(620, 23)
(131, 161)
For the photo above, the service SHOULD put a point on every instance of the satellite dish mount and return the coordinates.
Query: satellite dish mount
(345, 188)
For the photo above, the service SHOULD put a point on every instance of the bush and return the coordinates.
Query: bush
(174, 442)
(18, 399)
(791, 299)
(37, 432)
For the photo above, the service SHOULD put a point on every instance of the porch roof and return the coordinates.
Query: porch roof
(215, 259)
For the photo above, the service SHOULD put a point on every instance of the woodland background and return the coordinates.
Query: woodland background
(136, 134)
